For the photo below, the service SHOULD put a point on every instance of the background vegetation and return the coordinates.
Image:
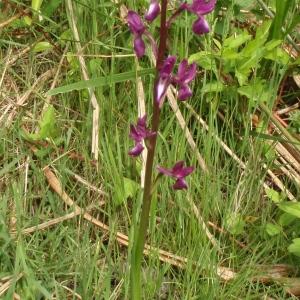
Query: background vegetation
(235, 234)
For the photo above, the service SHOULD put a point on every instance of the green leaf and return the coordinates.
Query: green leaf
(286, 219)
(204, 59)
(294, 248)
(100, 81)
(274, 196)
(278, 55)
(273, 229)
(42, 46)
(215, 86)
(235, 223)
(48, 128)
(254, 47)
(130, 187)
(292, 208)
(235, 41)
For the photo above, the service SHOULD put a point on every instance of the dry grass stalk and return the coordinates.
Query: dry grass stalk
(7, 283)
(141, 112)
(94, 102)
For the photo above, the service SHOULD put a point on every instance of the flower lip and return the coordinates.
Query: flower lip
(153, 11)
(200, 26)
(136, 150)
(139, 47)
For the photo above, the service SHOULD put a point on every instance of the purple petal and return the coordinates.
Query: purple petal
(165, 171)
(136, 150)
(180, 184)
(182, 68)
(201, 26)
(189, 74)
(153, 11)
(184, 92)
(161, 88)
(135, 23)
(139, 47)
(177, 167)
(186, 171)
(202, 7)
(134, 134)
(168, 66)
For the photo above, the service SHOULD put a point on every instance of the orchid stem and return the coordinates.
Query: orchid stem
(140, 237)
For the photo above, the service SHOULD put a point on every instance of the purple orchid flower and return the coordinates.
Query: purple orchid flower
(165, 78)
(137, 27)
(186, 73)
(179, 172)
(139, 133)
(200, 8)
(153, 11)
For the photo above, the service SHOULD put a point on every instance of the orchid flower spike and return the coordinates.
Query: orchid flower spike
(179, 172)
(137, 27)
(139, 133)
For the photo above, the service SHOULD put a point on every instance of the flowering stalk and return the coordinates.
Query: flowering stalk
(163, 78)
(139, 240)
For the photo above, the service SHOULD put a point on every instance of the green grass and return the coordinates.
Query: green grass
(76, 257)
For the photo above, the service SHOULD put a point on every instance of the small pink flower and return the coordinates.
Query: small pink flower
(179, 172)
(139, 133)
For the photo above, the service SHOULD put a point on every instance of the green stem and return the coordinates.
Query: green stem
(140, 237)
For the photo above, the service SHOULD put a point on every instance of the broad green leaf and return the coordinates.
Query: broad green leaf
(100, 81)
(235, 223)
(235, 41)
(274, 196)
(42, 46)
(36, 4)
(272, 44)
(295, 247)
(255, 46)
(286, 219)
(278, 55)
(48, 128)
(27, 20)
(130, 187)
(126, 188)
(292, 208)
(273, 229)
(204, 59)
(213, 87)
(256, 92)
